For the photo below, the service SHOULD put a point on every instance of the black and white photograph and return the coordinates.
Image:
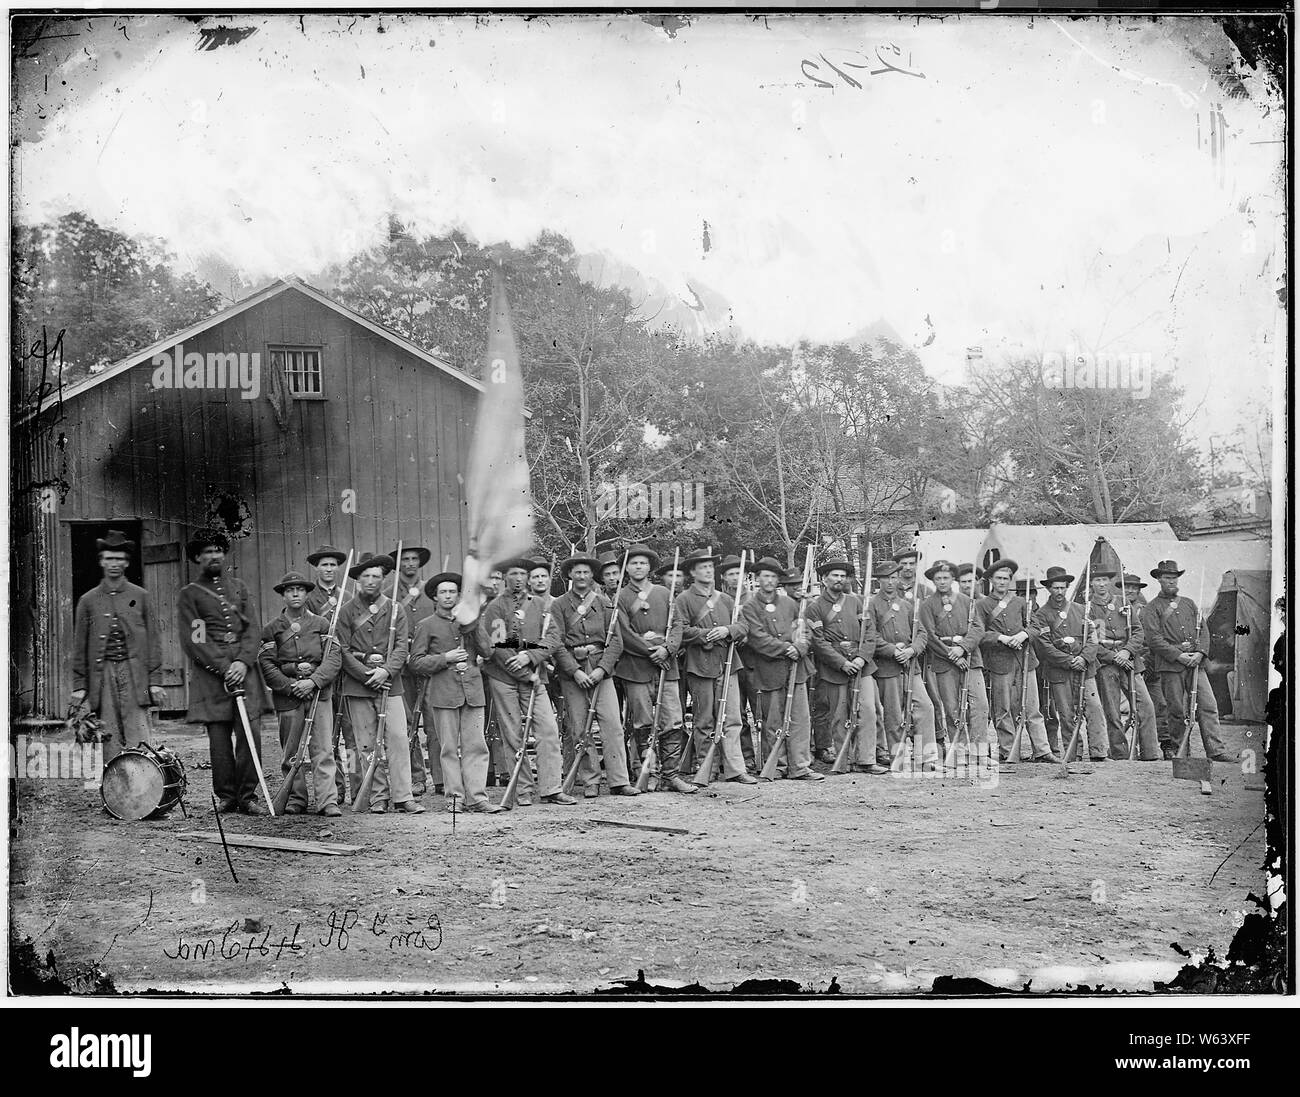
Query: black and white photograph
(649, 505)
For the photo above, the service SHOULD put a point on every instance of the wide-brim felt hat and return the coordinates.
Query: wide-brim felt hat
(938, 566)
(698, 556)
(907, 554)
(831, 565)
(370, 560)
(1057, 575)
(326, 551)
(534, 565)
(884, 569)
(667, 566)
(792, 579)
(431, 587)
(729, 562)
(204, 539)
(1134, 581)
(114, 541)
(609, 560)
(293, 579)
(999, 565)
(647, 552)
(1166, 567)
(767, 563)
(573, 561)
(964, 569)
(425, 554)
(521, 562)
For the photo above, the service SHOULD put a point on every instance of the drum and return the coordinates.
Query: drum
(142, 782)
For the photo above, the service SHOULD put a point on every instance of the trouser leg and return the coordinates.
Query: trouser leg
(796, 751)
(946, 689)
(1148, 741)
(1004, 717)
(1111, 680)
(292, 722)
(977, 691)
(463, 751)
(1095, 721)
(321, 752)
(823, 717)
(221, 753)
(870, 744)
(1034, 722)
(510, 706)
(416, 750)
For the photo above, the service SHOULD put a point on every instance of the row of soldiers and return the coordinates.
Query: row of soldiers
(932, 663)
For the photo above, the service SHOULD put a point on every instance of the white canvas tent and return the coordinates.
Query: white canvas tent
(1036, 548)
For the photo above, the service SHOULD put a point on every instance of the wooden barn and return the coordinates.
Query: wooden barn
(329, 428)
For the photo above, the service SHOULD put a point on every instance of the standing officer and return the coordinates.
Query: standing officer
(707, 632)
(119, 669)
(585, 615)
(1179, 648)
(649, 649)
(219, 634)
(521, 637)
(297, 661)
(1120, 645)
(418, 606)
(771, 622)
(369, 664)
(1066, 647)
(844, 641)
(1133, 587)
(445, 658)
(1007, 646)
(952, 655)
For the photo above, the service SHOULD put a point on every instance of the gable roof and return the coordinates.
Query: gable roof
(274, 289)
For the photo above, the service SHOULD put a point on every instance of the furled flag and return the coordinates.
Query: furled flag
(496, 486)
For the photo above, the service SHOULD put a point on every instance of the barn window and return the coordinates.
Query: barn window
(301, 370)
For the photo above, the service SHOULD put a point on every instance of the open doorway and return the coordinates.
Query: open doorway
(85, 558)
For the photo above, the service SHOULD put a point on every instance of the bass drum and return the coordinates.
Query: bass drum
(143, 782)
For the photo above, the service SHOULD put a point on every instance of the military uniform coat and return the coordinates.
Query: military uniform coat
(892, 617)
(505, 628)
(1050, 627)
(294, 648)
(362, 633)
(840, 633)
(1172, 628)
(447, 687)
(642, 611)
(1114, 633)
(1005, 616)
(947, 622)
(91, 622)
(770, 621)
(585, 621)
(218, 626)
(701, 612)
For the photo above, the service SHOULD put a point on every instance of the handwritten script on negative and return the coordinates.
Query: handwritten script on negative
(405, 931)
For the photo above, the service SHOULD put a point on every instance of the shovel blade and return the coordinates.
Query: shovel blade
(1193, 769)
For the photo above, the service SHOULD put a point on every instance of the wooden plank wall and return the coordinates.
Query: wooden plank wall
(392, 429)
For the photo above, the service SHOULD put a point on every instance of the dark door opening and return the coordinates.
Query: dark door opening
(85, 558)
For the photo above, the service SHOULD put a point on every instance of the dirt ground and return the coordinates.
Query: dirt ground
(882, 883)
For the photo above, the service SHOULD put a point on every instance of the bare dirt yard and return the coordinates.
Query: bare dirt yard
(880, 883)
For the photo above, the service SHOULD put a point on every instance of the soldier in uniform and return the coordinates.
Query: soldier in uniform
(966, 579)
(907, 578)
(370, 664)
(418, 606)
(219, 634)
(707, 632)
(1132, 589)
(297, 663)
(1007, 647)
(952, 656)
(729, 573)
(585, 615)
(673, 582)
(118, 670)
(609, 572)
(1068, 651)
(322, 599)
(898, 667)
(1120, 647)
(445, 659)
(539, 583)
(649, 649)
(521, 637)
(844, 641)
(775, 641)
(1179, 648)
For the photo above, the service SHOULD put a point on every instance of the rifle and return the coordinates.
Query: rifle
(650, 763)
(1022, 718)
(1132, 667)
(300, 749)
(1185, 767)
(768, 771)
(381, 752)
(583, 747)
(705, 771)
(1080, 712)
(848, 748)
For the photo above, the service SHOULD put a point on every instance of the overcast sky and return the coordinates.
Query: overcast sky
(992, 181)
